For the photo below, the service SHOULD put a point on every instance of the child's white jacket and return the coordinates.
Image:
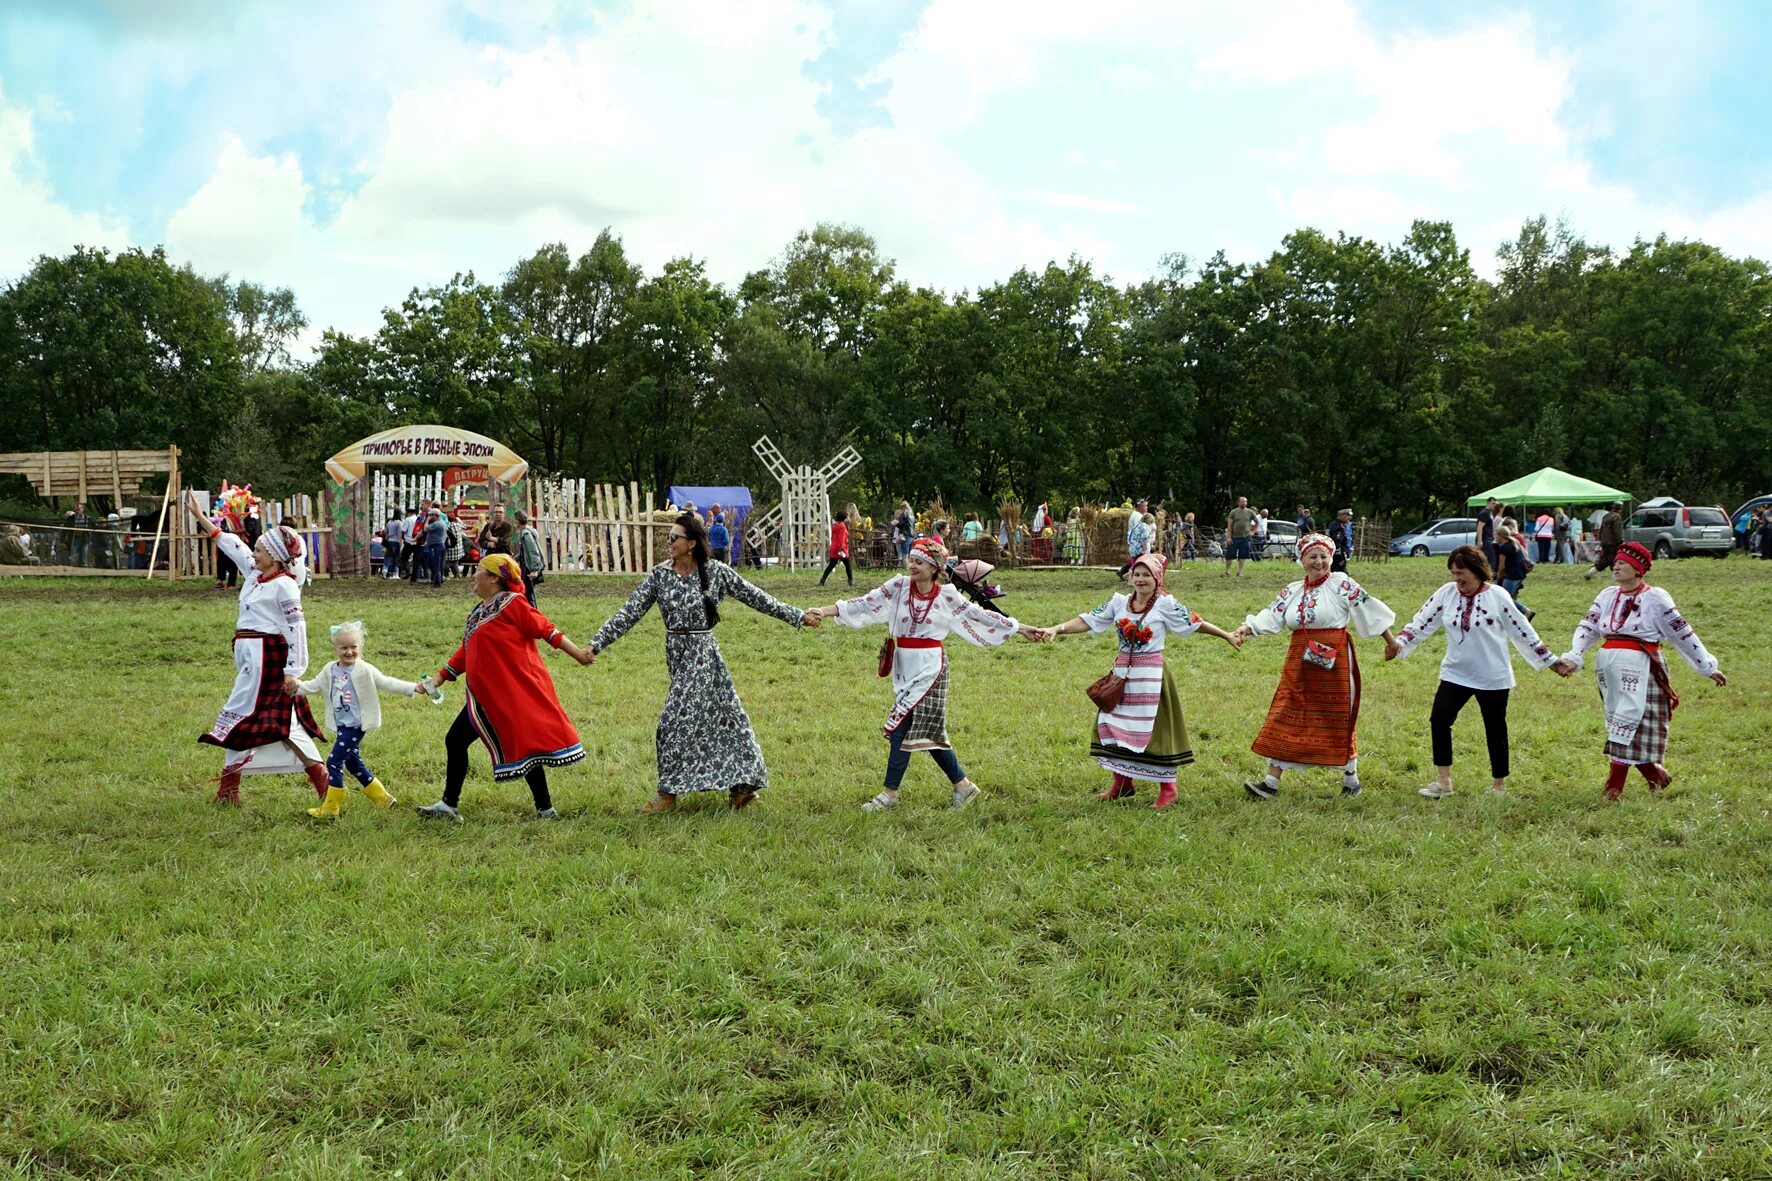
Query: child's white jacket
(366, 680)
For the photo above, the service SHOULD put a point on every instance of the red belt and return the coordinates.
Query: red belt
(915, 642)
(1632, 642)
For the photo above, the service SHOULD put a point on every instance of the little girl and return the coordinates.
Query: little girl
(353, 706)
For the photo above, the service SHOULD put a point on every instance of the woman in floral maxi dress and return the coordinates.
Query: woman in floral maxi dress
(705, 741)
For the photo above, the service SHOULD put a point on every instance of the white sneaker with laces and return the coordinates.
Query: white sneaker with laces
(964, 793)
(1436, 791)
(880, 803)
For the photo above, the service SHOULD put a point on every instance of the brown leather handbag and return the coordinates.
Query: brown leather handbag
(1107, 691)
(887, 646)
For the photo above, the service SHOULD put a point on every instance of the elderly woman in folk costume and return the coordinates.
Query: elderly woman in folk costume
(1311, 721)
(920, 611)
(265, 726)
(1480, 620)
(1630, 620)
(511, 705)
(1143, 735)
(705, 741)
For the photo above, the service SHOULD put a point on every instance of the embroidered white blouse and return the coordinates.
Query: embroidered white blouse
(1647, 614)
(1478, 629)
(1337, 601)
(268, 604)
(914, 669)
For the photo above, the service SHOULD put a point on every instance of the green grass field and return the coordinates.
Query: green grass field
(1040, 986)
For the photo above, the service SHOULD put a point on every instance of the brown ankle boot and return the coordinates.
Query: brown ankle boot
(317, 777)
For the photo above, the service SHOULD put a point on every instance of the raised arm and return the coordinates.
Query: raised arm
(628, 615)
(1520, 631)
(1427, 621)
(755, 597)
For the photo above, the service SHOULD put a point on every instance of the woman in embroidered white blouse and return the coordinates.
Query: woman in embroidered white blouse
(1480, 619)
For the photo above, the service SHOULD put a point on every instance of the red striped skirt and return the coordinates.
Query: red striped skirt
(1312, 718)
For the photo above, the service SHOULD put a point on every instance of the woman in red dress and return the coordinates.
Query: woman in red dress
(511, 705)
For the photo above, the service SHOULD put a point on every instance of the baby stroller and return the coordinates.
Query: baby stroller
(969, 577)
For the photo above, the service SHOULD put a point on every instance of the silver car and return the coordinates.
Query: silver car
(1680, 532)
(1436, 537)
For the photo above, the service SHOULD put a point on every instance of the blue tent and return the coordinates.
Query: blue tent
(734, 502)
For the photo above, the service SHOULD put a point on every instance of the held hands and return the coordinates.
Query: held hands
(1564, 667)
(291, 686)
(1392, 649)
(812, 618)
(585, 657)
(1719, 678)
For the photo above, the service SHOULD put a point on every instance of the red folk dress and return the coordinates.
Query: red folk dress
(510, 696)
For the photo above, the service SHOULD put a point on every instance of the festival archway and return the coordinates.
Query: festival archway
(426, 446)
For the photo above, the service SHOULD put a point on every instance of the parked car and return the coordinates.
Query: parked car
(1681, 532)
(1436, 537)
(1282, 539)
(1752, 506)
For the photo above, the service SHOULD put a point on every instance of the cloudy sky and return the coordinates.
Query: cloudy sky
(353, 150)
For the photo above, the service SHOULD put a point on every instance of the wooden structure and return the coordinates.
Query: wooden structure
(598, 528)
(803, 515)
(197, 556)
(116, 474)
(352, 517)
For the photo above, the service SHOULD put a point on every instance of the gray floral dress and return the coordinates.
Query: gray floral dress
(705, 741)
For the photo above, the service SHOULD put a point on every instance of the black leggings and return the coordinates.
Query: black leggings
(847, 569)
(458, 742)
(1448, 701)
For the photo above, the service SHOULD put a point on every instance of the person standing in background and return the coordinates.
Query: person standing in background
(1611, 535)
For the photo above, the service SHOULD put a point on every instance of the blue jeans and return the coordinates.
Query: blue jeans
(434, 563)
(1512, 587)
(900, 758)
(390, 563)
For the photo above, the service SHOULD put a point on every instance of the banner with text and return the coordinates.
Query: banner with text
(427, 446)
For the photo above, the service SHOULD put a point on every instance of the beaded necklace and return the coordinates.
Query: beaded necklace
(928, 600)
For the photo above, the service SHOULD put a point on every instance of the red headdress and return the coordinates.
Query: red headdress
(1636, 555)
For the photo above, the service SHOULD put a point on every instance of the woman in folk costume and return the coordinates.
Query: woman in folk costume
(1480, 619)
(704, 738)
(511, 705)
(265, 727)
(1630, 620)
(1311, 721)
(920, 611)
(1145, 735)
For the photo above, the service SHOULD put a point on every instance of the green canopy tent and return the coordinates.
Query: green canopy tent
(1547, 486)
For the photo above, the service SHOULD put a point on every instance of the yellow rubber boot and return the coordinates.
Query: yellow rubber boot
(329, 808)
(379, 795)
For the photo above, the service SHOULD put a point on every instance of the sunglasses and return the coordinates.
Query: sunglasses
(680, 537)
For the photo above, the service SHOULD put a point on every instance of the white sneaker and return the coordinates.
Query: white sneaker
(964, 793)
(1436, 791)
(439, 811)
(880, 803)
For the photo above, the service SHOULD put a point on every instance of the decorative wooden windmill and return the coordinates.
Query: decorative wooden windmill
(804, 513)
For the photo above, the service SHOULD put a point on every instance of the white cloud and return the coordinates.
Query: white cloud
(35, 223)
(1019, 133)
(246, 218)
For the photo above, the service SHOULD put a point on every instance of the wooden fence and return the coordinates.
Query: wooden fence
(197, 555)
(598, 528)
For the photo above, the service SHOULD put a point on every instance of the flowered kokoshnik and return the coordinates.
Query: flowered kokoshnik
(1314, 541)
(283, 544)
(927, 549)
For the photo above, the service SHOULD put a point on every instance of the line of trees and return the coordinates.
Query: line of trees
(1337, 371)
